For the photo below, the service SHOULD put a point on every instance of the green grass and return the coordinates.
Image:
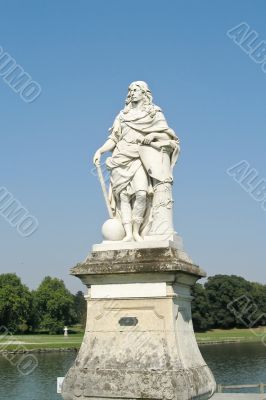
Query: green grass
(41, 341)
(73, 341)
(236, 335)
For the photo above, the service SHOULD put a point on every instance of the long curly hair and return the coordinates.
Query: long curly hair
(148, 104)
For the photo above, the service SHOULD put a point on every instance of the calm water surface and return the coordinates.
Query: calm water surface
(230, 363)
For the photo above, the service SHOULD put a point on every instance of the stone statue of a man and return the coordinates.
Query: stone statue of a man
(144, 151)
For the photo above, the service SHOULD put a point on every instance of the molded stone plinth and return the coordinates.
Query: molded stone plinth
(139, 341)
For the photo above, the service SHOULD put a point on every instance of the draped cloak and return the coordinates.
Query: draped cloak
(128, 131)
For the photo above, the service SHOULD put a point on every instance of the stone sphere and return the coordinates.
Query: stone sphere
(113, 230)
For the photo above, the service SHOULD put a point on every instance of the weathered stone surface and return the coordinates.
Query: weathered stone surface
(136, 261)
(157, 357)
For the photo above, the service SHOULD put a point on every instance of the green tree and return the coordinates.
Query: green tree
(15, 303)
(200, 306)
(80, 308)
(224, 292)
(55, 305)
(259, 296)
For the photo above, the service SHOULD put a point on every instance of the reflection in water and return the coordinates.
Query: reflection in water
(39, 385)
(236, 363)
(230, 363)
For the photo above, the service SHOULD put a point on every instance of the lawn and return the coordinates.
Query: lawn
(234, 335)
(73, 341)
(29, 342)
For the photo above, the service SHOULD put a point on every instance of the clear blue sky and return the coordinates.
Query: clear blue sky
(84, 54)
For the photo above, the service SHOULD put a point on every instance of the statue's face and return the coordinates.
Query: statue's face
(136, 93)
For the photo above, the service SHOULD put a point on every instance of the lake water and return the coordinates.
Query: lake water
(230, 363)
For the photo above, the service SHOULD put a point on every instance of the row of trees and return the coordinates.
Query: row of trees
(228, 302)
(222, 302)
(49, 308)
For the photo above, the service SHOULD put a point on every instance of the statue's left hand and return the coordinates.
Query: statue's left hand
(148, 139)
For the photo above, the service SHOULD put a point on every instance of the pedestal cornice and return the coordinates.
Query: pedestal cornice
(155, 263)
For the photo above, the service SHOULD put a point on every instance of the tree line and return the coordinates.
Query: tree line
(223, 301)
(228, 301)
(49, 308)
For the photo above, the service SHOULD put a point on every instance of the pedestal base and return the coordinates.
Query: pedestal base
(139, 341)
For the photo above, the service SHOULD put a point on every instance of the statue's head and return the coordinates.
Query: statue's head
(138, 91)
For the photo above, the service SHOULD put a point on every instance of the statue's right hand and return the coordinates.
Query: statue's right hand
(97, 158)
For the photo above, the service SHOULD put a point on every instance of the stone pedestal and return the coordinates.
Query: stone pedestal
(139, 341)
